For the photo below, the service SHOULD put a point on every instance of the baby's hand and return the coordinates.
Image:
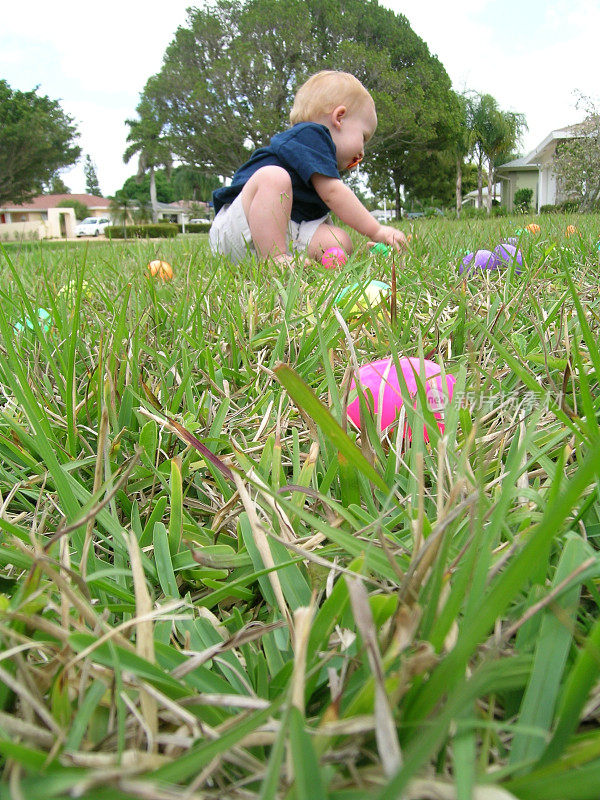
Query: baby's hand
(391, 236)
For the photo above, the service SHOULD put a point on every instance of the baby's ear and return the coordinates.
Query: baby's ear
(338, 114)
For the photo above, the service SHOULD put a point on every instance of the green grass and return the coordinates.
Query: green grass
(211, 586)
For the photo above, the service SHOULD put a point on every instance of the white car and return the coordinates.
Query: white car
(92, 226)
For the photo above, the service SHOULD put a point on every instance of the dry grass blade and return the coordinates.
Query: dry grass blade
(440, 790)
(31, 702)
(144, 636)
(115, 633)
(260, 538)
(385, 727)
(250, 634)
(26, 732)
(303, 618)
(93, 512)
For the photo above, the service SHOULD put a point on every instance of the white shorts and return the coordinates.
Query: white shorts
(230, 235)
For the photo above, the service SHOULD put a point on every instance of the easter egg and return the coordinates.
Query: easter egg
(512, 240)
(481, 259)
(334, 257)
(381, 379)
(160, 269)
(370, 295)
(43, 319)
(507, 253)
(571, 229)
(533, 227)
(380, 249)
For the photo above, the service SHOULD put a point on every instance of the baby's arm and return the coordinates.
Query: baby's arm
(346, 205)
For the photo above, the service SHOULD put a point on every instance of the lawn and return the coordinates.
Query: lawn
(211, 586)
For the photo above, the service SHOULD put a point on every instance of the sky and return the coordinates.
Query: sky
(531, 55)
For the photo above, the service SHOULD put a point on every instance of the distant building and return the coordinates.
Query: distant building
(43, 218)
(472, 198)
(536, 171)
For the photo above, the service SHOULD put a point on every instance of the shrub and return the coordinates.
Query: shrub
(470, 212)
(549, 209)
(499, 211)
(197, 227)
(523, 199)
(159, 231)
(569, 206)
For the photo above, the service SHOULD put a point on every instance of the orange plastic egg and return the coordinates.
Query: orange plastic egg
(533, 227)
(160, 269)
(571, 229)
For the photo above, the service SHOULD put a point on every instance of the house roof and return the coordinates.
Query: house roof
(44, 201)
(496, 189)
(532, 159)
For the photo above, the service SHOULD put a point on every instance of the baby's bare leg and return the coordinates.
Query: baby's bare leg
(267, 203)
(328, 236)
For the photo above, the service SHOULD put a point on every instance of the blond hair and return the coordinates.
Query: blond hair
(325, 91)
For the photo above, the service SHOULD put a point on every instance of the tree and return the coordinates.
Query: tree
(147, 139)
(229, 77)
(462, 145)
(138, 189)
(577, 160)
(57, 185)
(122, 209)
(91, 179)
(494, 132)
(80, 209)
(36, 139)
(191, 183)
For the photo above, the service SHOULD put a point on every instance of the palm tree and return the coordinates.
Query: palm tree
(463, 143)
(146, 137)
(494, 132)
(121, 209)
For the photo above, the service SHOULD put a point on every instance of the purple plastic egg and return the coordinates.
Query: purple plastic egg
(506, 254)
(512, 240)
(482, 259)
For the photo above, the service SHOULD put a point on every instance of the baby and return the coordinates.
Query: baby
(280, 199)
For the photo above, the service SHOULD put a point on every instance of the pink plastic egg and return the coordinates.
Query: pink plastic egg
(334, 257)
(381, 378)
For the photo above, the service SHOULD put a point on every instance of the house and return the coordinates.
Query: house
(472, 198)
(535, 171)
(43, 218)
(181, 211)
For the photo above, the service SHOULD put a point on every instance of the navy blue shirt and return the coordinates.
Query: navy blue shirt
(303, 150)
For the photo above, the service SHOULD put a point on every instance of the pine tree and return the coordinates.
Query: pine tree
(91, 179)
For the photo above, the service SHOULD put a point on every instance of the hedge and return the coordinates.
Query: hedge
(162, 230)
(197, 227)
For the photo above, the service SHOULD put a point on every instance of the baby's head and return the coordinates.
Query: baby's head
(327, 90)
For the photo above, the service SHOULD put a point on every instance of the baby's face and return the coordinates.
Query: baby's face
(350, 132)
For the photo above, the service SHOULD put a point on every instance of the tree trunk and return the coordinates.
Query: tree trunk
(458, 186)
(153, 199)
(490, 184)
(480, 182)
(397, 198)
